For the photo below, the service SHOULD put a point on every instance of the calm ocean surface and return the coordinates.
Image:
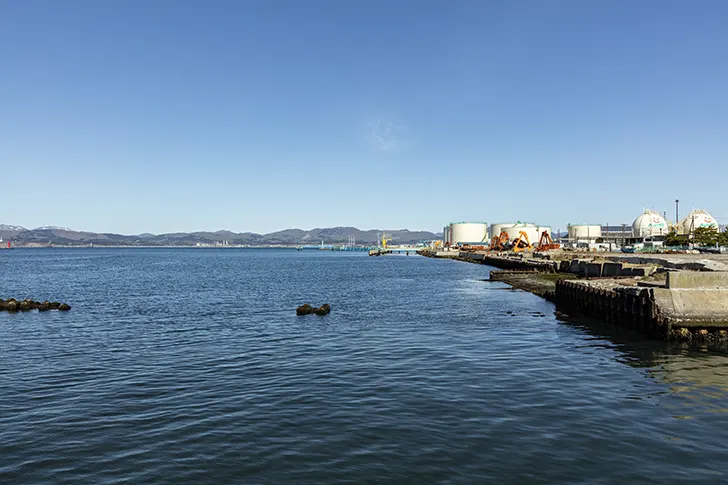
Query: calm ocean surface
(190, 366)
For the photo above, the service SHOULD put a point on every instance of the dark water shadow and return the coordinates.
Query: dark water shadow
(680, 365)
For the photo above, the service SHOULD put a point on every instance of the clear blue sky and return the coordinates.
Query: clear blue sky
(156, 116)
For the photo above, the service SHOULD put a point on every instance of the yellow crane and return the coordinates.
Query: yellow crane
(385, 240)
(521, 243)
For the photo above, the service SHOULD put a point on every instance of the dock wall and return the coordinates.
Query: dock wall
(686, 306)
(694, 315)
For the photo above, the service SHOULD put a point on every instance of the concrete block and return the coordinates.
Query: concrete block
(697, 280)
(693, 307)
(593, 270)
(612, 269)
(447, 254)
(581, 268)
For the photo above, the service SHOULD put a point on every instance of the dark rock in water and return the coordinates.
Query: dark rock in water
(26, 305)
(307, 309)
(324, 309)
(304, 309)
(31, 303)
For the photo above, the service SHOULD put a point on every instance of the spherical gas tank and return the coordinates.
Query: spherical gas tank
(697, 219)
(650, 223)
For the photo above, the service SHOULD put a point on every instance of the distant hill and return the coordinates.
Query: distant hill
(56, 236)
(7, 231)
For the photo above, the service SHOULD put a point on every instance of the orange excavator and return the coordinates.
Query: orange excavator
(500, 242)
(521, 243)
(546, 243)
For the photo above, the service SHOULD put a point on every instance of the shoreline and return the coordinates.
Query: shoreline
(677, 301)
(76, 246)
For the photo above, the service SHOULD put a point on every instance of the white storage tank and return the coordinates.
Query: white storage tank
(694, 220)
(531, 231)
(650, 223)
(540, 230)
(585, 232)
(468, 233)
(495, 229)
(445, 234)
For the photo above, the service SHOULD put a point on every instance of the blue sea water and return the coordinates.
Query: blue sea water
(190, 366)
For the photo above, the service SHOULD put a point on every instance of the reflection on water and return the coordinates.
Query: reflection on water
(691, 374)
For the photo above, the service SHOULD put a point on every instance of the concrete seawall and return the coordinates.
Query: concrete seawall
(687, 314)
(663, 302)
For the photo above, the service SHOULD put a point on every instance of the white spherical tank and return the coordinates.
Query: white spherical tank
(585, 232)
(531, 231)
(468, 233)
(650, 223)
(696, 219)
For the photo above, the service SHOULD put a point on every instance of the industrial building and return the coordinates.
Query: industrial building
(649, 229)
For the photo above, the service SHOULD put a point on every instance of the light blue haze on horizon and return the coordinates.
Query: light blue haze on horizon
(159, 116)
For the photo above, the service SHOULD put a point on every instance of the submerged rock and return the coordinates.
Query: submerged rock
(64, 307)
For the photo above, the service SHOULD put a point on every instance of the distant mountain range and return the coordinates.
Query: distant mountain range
(58, 236)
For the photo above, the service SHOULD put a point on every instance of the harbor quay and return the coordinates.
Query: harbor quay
(673, 297)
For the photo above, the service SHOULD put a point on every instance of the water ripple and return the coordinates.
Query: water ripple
(189, 366)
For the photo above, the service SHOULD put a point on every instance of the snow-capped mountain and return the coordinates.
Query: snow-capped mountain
(8, 231)
(52, 228)
(9, 228)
